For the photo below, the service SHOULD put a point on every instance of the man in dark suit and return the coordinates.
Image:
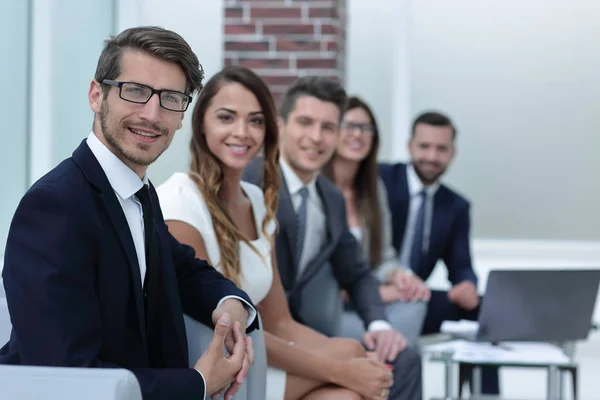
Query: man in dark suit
(314, 239)
(92, 276)
(430, 222)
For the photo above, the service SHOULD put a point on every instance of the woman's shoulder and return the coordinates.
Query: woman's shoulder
(180, 199)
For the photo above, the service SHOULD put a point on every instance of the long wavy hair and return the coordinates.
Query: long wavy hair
(365, 186)
(206, 170)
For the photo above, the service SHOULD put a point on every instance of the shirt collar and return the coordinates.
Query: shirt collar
(294, 183)
(415, 186)
(123, 180)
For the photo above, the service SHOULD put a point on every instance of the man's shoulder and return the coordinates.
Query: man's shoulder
(391, 168)
(253, 171)
(65, 178)
(328, 188)
(458, 200)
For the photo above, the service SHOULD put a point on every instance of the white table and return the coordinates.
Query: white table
(481, 354)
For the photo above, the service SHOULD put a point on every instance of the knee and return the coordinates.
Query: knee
(353, 347)
(345, 394)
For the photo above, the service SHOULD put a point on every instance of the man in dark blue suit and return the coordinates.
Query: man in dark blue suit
(430, 222)
(92, 276)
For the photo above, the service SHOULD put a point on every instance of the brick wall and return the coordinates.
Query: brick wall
(284, 39)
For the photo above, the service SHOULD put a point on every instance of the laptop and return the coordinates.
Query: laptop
(538, 305)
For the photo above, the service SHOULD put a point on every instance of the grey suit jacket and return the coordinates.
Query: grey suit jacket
(341, 260)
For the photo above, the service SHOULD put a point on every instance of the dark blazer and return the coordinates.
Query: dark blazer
(342, 253)
(74, 290)
(449, 237)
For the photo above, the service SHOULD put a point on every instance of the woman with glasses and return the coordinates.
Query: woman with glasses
(354, 170)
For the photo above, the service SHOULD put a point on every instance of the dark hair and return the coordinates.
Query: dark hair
(321, 87)
(365, 184)
(207, 172)
(155, 41)
(434, 118)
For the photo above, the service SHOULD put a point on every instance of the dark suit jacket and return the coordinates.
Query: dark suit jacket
(74, 290)
(342, 253)
(449, 237)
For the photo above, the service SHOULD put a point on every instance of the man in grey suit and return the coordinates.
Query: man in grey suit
(314, 245)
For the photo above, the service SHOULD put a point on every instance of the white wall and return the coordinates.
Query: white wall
(377, 68)
(13, 111)
(200, 23)
(520, 79)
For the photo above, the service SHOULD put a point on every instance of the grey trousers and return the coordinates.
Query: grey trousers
(408, 384)
(406, 318)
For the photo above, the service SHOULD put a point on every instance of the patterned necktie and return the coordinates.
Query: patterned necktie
(417, 245)
(300, 226)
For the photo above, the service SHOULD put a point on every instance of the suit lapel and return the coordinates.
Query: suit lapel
(438, 222)
(93, 172)
(403, 202)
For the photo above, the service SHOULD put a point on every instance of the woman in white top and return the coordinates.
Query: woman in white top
(353, 168)
(232, 224)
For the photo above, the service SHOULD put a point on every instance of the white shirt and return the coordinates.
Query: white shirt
(415, 186)
(126, 183)
(316, 224)
(181, 200)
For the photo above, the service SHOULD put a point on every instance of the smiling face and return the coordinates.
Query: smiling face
(356, 135)
(309, 135)
(137, 133)
(431, 149)
(234, 126)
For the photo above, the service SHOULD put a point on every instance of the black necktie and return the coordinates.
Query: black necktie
(151, 281)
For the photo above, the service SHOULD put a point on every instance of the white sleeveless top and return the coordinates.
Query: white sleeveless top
(180, 200)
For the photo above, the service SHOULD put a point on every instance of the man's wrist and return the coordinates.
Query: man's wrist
(379, 325)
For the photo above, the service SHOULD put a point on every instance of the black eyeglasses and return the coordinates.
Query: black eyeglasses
(138, 93)
(365, 129)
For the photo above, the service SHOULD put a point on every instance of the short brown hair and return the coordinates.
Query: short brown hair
(158, 42)
(321, 87)
(434, 118)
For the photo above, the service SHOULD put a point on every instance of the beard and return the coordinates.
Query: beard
(141, 155)
(427, 179)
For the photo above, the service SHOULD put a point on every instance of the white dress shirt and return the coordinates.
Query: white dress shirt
(415, 187)
(316, 224)
(126, 183)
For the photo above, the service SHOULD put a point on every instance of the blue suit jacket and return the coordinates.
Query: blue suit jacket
(74, 290)
(449, 237)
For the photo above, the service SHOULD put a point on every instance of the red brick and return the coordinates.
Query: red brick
(328, 29)
(322, 13)
(240, 29)
(297, 45)
(316, 63)
(234, 12)
(331, 46)
(246, 46)
(277, 98)
(279, 80)
(290, 29)
(260, 63)
(256, 12)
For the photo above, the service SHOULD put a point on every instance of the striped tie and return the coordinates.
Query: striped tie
(300, 226)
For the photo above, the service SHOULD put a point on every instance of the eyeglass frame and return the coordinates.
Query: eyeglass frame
(119, 84)
(364, 129)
